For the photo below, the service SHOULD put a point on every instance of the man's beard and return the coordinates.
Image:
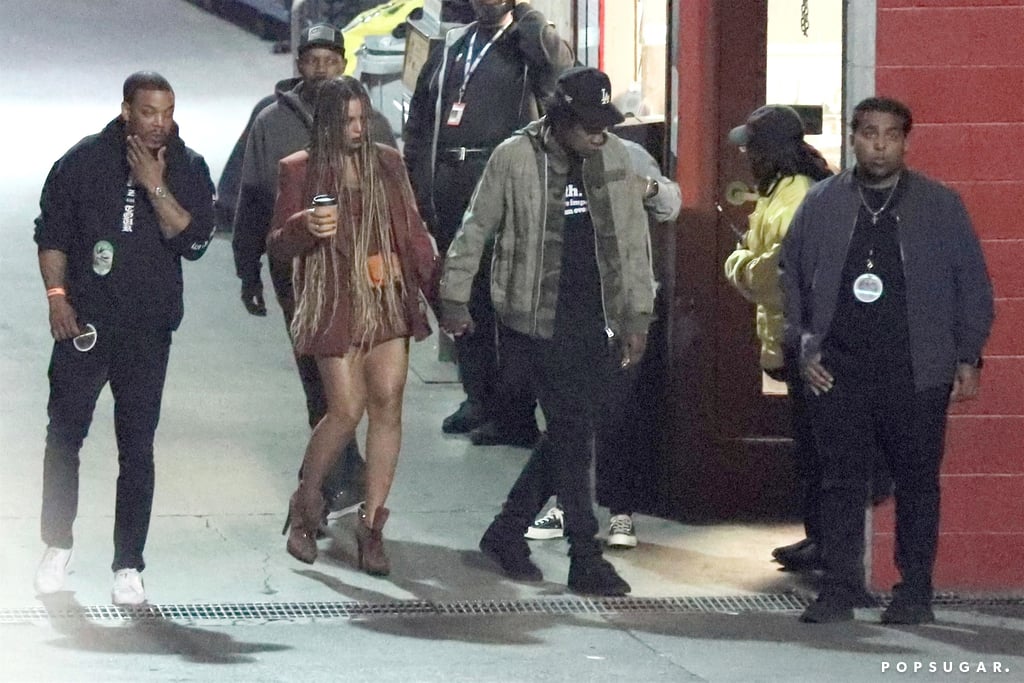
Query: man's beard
(491, 16)
(870, 178)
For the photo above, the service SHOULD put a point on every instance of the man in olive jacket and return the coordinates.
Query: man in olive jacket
(573, 288)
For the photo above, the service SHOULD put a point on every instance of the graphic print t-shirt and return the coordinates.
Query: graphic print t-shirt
(579, 310)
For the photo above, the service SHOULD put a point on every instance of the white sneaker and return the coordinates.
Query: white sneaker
(551, 525)
(128, 588)
(621, 533)
(53, 570)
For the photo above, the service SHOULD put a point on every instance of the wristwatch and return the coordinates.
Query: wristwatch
(159, 192)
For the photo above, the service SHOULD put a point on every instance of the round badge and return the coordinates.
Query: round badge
(102, 257)
(867, 288)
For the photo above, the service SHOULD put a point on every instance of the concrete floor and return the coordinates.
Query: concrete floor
(232, 432)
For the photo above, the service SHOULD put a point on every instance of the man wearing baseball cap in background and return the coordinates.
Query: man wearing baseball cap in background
(282, 128)
(573, 290)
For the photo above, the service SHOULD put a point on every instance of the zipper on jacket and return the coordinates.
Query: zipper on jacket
(903, 256)
(540, 246)
(597, 255)
(438, 107)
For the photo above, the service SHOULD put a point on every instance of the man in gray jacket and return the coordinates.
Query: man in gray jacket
(617, 474)
(573, 290)
(888, 301)
(482, 85)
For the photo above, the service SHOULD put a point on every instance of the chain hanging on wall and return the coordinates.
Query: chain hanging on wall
(805, 17)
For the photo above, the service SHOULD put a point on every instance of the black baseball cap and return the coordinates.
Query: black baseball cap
(588, 94)
(322, 35)
(770, 123)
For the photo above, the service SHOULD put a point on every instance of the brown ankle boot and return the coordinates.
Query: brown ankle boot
(370, 542)
(304, 520)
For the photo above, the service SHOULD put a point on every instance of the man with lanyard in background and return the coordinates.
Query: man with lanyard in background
(483, 85)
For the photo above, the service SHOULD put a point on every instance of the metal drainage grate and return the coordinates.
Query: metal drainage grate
(967, 600)
(263, 612)
(304, 611)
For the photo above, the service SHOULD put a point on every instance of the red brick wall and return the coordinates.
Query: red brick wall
(960, 67)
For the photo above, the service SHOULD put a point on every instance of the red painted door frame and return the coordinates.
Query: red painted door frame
(725, 445)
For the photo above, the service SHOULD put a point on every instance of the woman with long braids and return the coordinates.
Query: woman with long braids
(784, 167)
(358, 274)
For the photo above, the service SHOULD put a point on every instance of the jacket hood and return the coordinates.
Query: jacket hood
(542, 137)
(286, 85)
(534, 130)
(289, 96)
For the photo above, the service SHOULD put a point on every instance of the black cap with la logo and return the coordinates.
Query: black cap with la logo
(588, 93)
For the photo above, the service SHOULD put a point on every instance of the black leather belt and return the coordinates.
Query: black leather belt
(457, 154)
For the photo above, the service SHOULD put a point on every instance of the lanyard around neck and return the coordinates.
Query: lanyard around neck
(472, 64)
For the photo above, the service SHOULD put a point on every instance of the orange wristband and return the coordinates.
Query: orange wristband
(55, 291)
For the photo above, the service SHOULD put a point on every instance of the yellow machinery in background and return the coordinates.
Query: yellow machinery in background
(376, 21)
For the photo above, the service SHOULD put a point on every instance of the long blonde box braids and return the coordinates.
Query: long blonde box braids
(371, 305)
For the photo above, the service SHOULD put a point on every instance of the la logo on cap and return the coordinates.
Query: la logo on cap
(605, 97)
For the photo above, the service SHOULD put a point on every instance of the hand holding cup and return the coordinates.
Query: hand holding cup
(322, 217)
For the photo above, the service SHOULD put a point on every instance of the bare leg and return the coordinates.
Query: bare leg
(384, 374)
(345, 407)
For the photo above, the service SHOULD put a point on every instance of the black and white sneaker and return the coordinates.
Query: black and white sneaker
(548, 527)
(345, 502)
(621, 533)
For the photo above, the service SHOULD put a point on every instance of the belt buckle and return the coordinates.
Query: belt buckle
(462, 154)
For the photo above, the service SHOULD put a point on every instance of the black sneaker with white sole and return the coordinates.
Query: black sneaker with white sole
(345, 502)
(548, 527)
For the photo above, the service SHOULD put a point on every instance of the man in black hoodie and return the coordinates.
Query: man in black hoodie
(119, 211)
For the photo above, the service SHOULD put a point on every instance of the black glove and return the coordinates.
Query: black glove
(252, 297)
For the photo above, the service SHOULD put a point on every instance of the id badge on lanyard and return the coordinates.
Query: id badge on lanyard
(455, 116)
(868, 287)
(459, 108)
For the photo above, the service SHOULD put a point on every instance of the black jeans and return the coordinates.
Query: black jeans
(350, 464)
(851, 421)
(617, 469)
(134, 362)
(571, 375)
(805, 450)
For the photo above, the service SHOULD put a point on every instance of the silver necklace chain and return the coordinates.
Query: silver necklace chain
(885, 204)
